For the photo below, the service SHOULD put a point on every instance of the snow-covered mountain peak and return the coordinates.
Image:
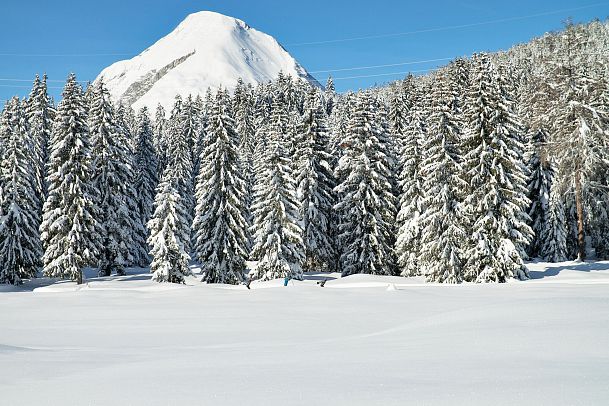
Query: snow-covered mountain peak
(207, 49)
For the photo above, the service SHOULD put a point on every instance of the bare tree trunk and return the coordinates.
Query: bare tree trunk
(581, 241)
(79, 278)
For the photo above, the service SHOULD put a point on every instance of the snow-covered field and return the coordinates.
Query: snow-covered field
(360, 340)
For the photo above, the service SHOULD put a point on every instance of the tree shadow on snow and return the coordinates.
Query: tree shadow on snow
(315, 276)
(555, 269)
(29, 285)
(90, 275)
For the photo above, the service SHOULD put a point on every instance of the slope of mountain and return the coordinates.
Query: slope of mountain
(206, 50)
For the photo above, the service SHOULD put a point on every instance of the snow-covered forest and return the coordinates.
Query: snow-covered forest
(460, 175)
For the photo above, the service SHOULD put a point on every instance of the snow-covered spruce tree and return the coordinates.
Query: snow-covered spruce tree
(329, 95)
(278, 245)
(553, 241)
(20, 248)
(261, 124)
(180, 166)
(315, 182)
(112, 175)
(69, 230)
(398, 113)
(199, 142)
(219, 227)
(539, 185)
(496, 198)
(160, 138)
(388, 138)
(167, 239)
(146, 180)
(128, 126)
(365, 200)
(128, 123)
(40, 114)
(535, 100)
(190, 124)
(410, 181)
(442, 226)
(243, 103)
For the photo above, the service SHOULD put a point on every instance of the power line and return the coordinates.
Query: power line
(450, 27)
(29, 87)
(62, 55)
(381, 66)
(32, 80)
(310, 72)
(337, 78)
(446, 28)
(382, 74)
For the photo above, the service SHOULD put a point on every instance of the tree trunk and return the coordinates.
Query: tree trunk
(79, 278)
(581, 241)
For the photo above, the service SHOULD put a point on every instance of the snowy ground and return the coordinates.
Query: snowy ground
(360, 340)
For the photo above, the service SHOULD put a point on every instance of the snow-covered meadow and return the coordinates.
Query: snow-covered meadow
(360, 340)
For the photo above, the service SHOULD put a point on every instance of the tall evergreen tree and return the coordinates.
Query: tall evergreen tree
(219, 226)
(539, 185)
(496, 173)
(146, 180)
(20, 248)
(410, 180)
(278, 245)
(315, 186)
(553, 242)
(127, 125)
(69, 230)
(365, 200)
(329, 95)
(180, 165)
(112, 175)
(160, 138)
(442, 225)
(167, 239)
(246, 129)
(40, 115)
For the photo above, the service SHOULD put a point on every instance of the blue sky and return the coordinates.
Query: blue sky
(61, 36)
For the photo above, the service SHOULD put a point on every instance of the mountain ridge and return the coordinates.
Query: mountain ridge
(206, 50)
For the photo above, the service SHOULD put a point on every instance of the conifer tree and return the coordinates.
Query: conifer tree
(539, 185)
(160, 138)
(127, 125)
(365, 200)
(167, 239)
(278, 245)
(329, 95)
(410, 181)
(40, 115)
(442, 225)
(246, 130)
(398, 110)
(180, 166)
(219, 227)
(20, 248)
(112, 175)
(69, 230)
(190, 125)
(553, 242)
(496, 198)
(315, 186)
(146, 180)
